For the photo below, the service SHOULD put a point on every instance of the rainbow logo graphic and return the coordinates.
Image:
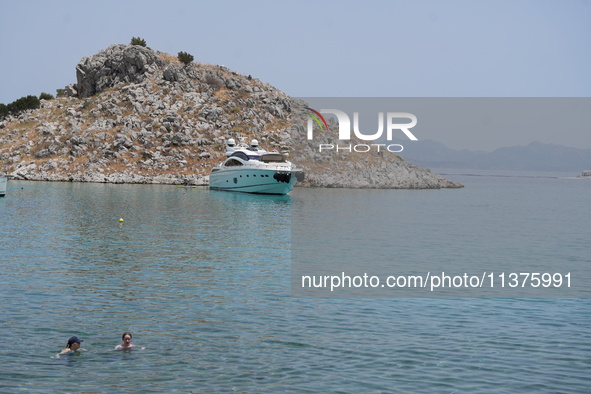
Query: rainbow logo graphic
(318, 118)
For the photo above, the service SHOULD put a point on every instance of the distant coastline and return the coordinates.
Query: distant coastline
(535, 156)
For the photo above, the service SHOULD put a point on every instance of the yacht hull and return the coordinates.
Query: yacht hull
(258, 181)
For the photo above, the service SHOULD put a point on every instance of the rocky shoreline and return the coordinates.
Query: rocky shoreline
(137, 115)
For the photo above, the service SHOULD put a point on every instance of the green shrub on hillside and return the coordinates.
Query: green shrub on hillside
(45, 96)
(185, 58)
(138, 41)
(22, 104)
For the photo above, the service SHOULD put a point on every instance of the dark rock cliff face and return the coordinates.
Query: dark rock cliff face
(140, 116)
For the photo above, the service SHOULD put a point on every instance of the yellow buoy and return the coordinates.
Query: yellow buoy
(121, 220)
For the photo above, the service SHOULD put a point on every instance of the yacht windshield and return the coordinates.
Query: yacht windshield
(241, 155)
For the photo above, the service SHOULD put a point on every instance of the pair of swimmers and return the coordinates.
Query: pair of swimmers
(74, 344)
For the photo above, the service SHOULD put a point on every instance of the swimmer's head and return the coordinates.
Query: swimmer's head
(74, 342)
(126, 337)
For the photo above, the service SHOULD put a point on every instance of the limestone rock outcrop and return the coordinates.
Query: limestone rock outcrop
(117, 64)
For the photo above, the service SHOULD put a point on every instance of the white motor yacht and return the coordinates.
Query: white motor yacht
(250, 169)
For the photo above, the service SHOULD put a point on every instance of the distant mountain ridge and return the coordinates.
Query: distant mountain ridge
(535, 156)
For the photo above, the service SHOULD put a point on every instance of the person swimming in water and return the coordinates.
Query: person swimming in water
(126, 337)
(72, 346)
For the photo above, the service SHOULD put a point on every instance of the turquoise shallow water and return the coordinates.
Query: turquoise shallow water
(202, 280)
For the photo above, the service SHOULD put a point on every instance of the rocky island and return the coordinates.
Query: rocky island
(136, 115)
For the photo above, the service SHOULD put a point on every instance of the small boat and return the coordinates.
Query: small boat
(585, 174)
(250, 169)
(3, 182)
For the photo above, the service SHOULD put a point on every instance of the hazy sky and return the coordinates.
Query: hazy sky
(411, 48)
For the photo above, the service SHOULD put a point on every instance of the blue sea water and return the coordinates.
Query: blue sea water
(203, 281)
